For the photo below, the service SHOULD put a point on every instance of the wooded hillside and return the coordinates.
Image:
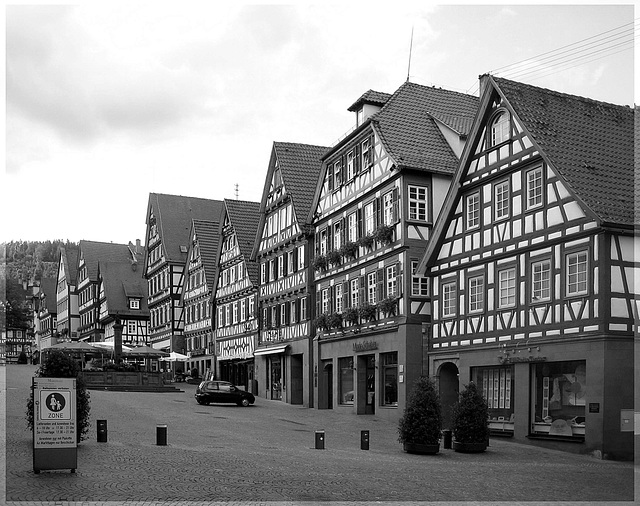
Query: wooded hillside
(30, 260)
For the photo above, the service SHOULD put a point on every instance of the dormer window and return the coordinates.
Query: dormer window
(134, 303)
(500, 129)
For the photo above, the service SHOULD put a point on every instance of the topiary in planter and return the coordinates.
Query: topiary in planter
(469, 424)
(57, 364)
(421, 424)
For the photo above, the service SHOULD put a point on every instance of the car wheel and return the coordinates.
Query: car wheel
(244, 402)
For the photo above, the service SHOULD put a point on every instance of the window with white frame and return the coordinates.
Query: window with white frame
(500, 129)
(355, 292)
(325, 301)
(275, 316)
(350, 165)
(417, 203)
(352, 224)
(392, 281)
(577, 278)
(534, 188)
(476, 294)
(323, 241)
(281, 266)
(252, 307)
(303, 309)
(243, 310)
(369, 218)
(419, 284)
(507, 288)
(236, 315)
(371, 287)
(387, 208)
(220, 322)
(301, 257)
(227, 314)
(473, 210)
(131, 327)
(449, 299)
(283, 314)
(134, 303)
(290, 265)
(292, 311)
(502, 200)
(365, 153)
(337, 174)
(337, 235)
(541, 279)
(338, 296)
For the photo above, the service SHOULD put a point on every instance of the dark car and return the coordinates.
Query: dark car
(222, 391)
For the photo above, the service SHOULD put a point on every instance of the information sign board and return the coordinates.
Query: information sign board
(54, 424)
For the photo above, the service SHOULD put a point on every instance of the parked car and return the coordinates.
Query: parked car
(222, 392)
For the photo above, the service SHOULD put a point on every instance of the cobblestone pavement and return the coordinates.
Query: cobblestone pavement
(265, 454)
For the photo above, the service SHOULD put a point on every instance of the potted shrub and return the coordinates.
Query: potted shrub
(320, 263)
(366, 241)
(388, 306)
(469, 423)
(420, 427)
(334, 257)
(321, 322)
(349, 250)
(384, 234)
(57, 364)
(350, 315)
(334, 321)
(367, 311)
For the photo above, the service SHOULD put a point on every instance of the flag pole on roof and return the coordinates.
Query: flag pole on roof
(410, 48)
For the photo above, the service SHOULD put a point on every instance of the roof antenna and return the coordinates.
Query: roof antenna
(236, 185)
(410, 48)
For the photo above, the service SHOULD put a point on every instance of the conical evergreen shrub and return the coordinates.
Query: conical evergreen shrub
(470, 415)
(422, 419)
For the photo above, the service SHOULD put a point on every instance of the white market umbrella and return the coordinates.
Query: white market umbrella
(109, 345)
(175, 357)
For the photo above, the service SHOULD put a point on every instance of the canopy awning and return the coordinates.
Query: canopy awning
(271, 350)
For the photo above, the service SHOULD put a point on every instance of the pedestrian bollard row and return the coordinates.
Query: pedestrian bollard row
(101, 431)
(161, 435)
(364, 440)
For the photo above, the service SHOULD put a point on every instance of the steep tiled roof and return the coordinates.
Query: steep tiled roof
(370, 97)
(300, 166)
(244, 217)
(69, 257)
(122, 280)
(590, 143)
(637, 165)
(48, 288)
(174, 214)
(208, 235)
(409, 133)
(97, 252)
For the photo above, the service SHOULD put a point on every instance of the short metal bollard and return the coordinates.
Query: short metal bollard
(447, 439)
(364, 440)
(102, 431)
(319, 440)
(161, 435)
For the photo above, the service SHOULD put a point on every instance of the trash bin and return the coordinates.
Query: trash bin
(319, 440)
(161, 435)
(447, 436)
(102, 431)
(364, 440)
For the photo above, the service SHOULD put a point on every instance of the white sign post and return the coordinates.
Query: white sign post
(55, 443)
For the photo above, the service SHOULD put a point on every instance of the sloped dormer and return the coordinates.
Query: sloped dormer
(368, 104)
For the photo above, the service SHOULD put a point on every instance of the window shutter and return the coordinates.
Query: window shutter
(345, 295)
(329, 238)
(343, 169)
(360, 224)
(376, 213)
(362, 296)
(371, 150)
(380, 284)
(316, 239)
(285, 266)
(356, 159)
(318, 302)
(331, 295)
(395, 206)
(343, 231)
(294, 252)
(329, 169)
(399, 284)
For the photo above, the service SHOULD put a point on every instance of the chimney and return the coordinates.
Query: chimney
(137, 246)
(484, 79)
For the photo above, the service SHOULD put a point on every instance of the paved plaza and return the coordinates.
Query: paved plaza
(265, 454)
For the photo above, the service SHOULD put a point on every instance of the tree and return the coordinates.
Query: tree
(17, 313)
(422, 420)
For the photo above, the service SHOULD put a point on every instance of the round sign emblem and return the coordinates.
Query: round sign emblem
(55, 402)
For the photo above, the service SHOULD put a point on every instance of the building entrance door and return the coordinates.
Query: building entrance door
(276, 378)
(370, 406)
(448, 389)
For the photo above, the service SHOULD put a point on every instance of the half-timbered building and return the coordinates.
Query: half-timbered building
(381, 189)
(532, 267)
(169, 219)
(197, 295)
(47, 314)
(236, 294)
(68, 318)
(90, 255)
(284, 357)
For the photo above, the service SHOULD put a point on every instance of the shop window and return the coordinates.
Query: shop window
(496, 386)
(345, 381)
(559, 393)
(390, 377)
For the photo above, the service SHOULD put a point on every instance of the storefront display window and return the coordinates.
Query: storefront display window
(559, 392)
(390, 376)
(345, 384)
(496, 386)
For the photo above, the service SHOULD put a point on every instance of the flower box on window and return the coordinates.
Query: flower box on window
(334, 257)
(350, 315)
(366, 241)
(349, 250)
(388, 306)
(321, 322)
(368, 312)
(320, 263)
(384, 234)
(334, 321)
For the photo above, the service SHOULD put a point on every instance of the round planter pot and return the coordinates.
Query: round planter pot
(422, 449)
(469, 447)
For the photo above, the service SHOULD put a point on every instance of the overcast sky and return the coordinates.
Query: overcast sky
(109, 101)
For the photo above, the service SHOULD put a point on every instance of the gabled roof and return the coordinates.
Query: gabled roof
(174, 214)
(410, 135)
(69, 258)
(590, 144)
(208, 237)
(123, 280)
(244, 217)
(95, 252)
(48, 289)
(370, 97)
(300, 166)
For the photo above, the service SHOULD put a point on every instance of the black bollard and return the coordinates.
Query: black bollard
(364, 440)
(102, 431)
(447, 439)
(161, 435)
(319, 440)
